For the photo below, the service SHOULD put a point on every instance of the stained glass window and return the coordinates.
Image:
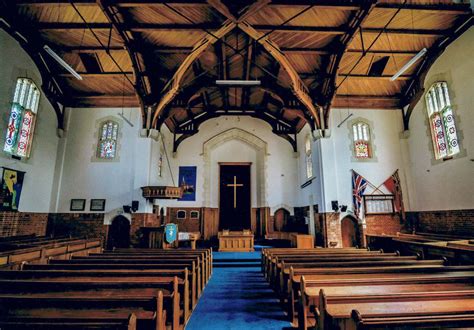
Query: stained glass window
(309, 159)
(108, 134)
(21, 122)
(361, 137)
(442, 123)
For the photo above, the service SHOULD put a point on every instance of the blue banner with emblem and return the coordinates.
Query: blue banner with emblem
(171, 233)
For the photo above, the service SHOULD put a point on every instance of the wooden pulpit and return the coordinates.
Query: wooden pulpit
(236, 241)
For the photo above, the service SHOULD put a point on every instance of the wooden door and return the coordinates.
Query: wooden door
(119, 233)
(349, 232)
(234, 197)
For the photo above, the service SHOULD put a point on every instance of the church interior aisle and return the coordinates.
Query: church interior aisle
(238, 298)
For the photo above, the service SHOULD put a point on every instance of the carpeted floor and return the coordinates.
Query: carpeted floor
(237, 298)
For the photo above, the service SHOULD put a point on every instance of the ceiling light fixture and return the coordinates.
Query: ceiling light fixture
(415, 58)
(62, 62)
(238, 82)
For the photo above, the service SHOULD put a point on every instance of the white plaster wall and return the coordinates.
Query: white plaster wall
(280, 170)
(446, 185)
(120, 182)
(40, 167)
(332, 158)
(117, 182)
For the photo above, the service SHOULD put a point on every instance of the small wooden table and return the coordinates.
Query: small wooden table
(236, 241)
(301, 241)
(189, 237)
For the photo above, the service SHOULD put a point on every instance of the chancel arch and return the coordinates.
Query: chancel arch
(252, 142)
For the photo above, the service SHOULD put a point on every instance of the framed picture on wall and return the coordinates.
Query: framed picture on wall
(77, 205)
(97, 205)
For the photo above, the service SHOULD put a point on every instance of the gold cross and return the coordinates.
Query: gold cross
(235, 185)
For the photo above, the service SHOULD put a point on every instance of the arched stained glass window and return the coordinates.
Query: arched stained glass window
(442, 124)
(361, 140)
(21, 123)
(108, 135)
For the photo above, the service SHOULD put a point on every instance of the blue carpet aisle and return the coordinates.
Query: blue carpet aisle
(238, 297)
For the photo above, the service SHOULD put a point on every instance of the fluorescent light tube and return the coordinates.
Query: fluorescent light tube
(415, 58)
(62, 62)
(238, 82)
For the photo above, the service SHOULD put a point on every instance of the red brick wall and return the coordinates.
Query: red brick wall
(454, 222)
(383, 224)
(142, 220)
(20, 223)
(77, 225)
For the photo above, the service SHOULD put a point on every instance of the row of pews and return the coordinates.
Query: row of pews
(120, 289)
(349, 288)
(39, 249)
(456, 249)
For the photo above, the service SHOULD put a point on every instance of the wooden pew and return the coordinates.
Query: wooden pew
(42, 252)
(139, 263)
(335, 311)
(104, 288)
(310, 297)
(75, 323)
(440, 320)
(276, 259)
(204, 257)
(194, 283)
(351, 264)
(185, 292)
(269, 255)
(206, 253)
(295, 275)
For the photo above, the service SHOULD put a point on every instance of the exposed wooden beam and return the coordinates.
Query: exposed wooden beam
(176, 81)
(366, 77)
(298, 87)
(415, 88)
(328, 88)
(367, 102)
(150, 27)
(452, 8)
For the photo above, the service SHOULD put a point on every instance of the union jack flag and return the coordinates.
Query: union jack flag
(358, 188)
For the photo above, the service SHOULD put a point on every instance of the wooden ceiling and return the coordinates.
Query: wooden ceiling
(310, 55)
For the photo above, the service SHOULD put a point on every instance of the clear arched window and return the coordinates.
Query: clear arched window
(108, 134)
(21, 123)
(309, 159)
(441, 118)
(361, 140)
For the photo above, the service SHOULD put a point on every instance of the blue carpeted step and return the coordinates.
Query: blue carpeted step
(237, 260)
(236, 264)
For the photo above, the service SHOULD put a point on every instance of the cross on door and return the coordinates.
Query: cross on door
(235, 185)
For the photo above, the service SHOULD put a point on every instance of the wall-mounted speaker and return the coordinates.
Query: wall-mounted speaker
(135, 206)
(335, 205)
(127, 209)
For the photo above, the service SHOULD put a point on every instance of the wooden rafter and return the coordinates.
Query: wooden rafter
(415, 88)
(298, 87)
(328, 90)
(140, 86)
(453, 8)
(198, 49)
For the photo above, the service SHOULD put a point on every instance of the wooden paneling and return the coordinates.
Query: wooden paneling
(210, 220)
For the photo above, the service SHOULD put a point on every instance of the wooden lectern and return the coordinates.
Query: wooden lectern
(236, 241)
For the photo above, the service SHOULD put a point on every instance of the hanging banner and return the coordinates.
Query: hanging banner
(359, 183)
(171, 233)
(393, 185)
(187, 182)
(12, 183)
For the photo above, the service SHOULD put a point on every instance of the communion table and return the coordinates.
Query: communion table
(236, 241)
